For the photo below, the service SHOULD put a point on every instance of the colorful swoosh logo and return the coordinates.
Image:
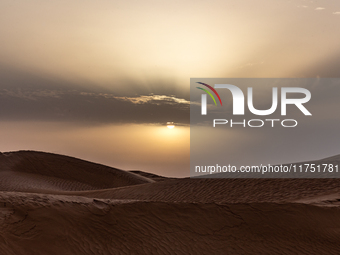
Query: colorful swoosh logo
(212, 89)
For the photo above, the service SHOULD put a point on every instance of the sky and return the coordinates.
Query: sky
(99, 80)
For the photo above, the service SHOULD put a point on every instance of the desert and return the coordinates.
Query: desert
(54, 204)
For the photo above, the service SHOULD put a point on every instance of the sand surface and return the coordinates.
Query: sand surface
(53, 204)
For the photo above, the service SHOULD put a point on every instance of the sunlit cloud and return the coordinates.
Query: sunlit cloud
(319, 8)
(153, 99)
(336, 13)
(156, 99)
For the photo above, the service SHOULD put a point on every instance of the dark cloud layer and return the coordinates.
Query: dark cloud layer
(92, 107)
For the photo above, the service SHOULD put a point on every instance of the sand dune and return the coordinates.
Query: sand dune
(31, 171)
(49, 224)
(46, 208)
(222, 190)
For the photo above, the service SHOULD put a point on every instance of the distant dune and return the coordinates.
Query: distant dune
(34, 171)
(53, 204)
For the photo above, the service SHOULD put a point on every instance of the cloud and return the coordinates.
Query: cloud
(336, 13)
(79, 106)
(30, 95)
(156, 99)
(319, 8)
(152, 99)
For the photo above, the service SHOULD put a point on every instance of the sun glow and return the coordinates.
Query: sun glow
(170, 125)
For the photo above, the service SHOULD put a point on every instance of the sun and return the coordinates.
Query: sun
(170, 125)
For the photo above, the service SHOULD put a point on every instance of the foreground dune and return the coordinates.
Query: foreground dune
(45, 208)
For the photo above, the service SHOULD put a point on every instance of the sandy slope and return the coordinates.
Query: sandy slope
(49, 224)
(135, 215)
(29, 170)
(222, 190)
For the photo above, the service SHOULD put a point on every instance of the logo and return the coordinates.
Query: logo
(204, 97)
(238, 96)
